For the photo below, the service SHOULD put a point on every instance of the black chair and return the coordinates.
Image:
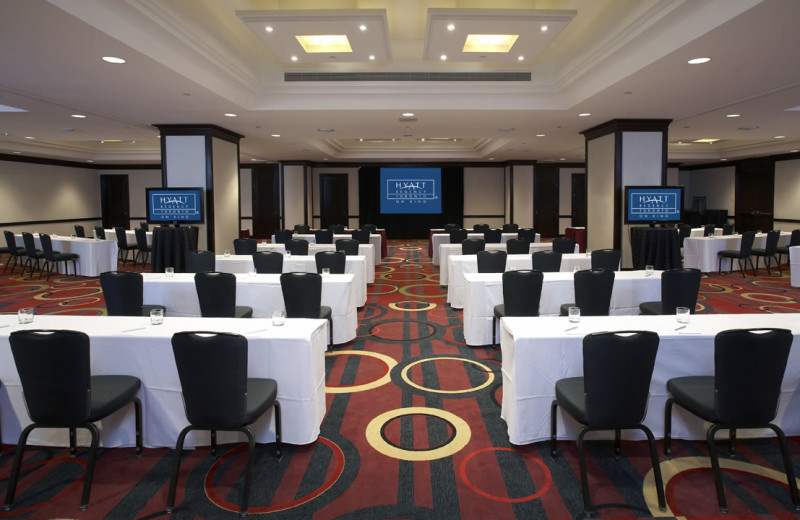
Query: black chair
(244, 246)
(217, 295)
(742, 255)
(727, 229)
(493, 261)
(16, 252)
(32, 254)
(283, 235)
(297, 246)
(302, 229)
(769, 251)
(593, 289)
(60, 392)
(337, 229)
(372, 228)
(52, 258)
(348, 245)
(323, 236)
(200, 261)
(546, 261)
(100, 232)
(218, 396)
(518, 246)
(302, 296)
(606, 259)
(471, 246)
(679, 288)
(564, 245)
(123, 294)
(333, 260)
(794, 240)
(708, 230)
(510, 228)
(684, 231)
(144, 226)
(143, 248)
(743, 393)
(522, 291)
(457, 236)
(268, 262)
(528, 233)
(451, 227)
(361, 235)
(124, 247)
(79, 231)
(612, 394)
(493, 236)
(480, 228)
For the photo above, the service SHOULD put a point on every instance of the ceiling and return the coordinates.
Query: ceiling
(193, 61)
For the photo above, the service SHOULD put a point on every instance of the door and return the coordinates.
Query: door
(578, 200)
(114, 201)
(333, 199)
(545, 200)
(266, 200)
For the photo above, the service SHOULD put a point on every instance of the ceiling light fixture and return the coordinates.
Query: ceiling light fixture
(541, 135)
(362, 27)
(274, 135)
(229, 114)
(451, 27)
(324, 129)
(294, 58)
(268, 29)
(443, 57)
(584, 114)
(544, 28)
(489, 42)
(113, 59)
(371, 57)
(734, 115)
(317, 43)
(79, 116)
(521, 58)
(29, 137)
(780, 137)
(708, 140)
(408, 114)
(698, 61)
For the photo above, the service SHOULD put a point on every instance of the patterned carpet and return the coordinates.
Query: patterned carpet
(412, 431)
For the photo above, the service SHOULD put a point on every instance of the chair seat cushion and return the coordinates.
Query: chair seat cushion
(500, 310)
(730, 253)
(696, 394)
(569, 394)
(261, 395)
(651, 308)
(110, 393)
(325, 312)
(565, 308)
(242, 311)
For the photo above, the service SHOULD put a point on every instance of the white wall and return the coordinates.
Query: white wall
(600, 190)
(138, 180)
(225, 156)
(293, 195)
(787, 194)
(717, 185)
(523, 195)
(484, 194)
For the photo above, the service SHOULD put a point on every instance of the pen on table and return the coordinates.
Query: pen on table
(131, 330)
(680, 328)
(571, 328)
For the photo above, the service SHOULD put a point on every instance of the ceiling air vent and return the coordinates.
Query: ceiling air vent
(407, 76)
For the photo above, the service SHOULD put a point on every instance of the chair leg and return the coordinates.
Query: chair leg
(732, 441)
(494, 331)
(278, 434)
(137, 408)
(668, 428)
(248, 476)
(788, 466)
(330, 321)
(73, 446)
(712, 453)
(214, 443)
(87, 479)
(662, 501)
(173, 481)
(12, 480)
(553, 426)
(587, 501)
(751, 265)
(617, 443)
(778, 263)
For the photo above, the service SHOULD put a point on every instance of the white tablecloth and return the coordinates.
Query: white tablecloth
(95, 256)
(438, 239)
(365, 250)
(374, 239)
(261, 292)
(355, 265)
(458, 265)
(484, 291)
(537, 352)
(293, 355)
(794, 265)
(130, 236)
(701, 252)
(700, 232)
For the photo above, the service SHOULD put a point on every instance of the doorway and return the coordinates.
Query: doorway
(114, 201)
(545, 200)
(334, 203)
(266, 200)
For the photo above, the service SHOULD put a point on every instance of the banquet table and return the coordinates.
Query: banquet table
(374, 239)
(701, 252)
(293, 355)
(659, 247)
(794, 265)
(262, 292)
(365, 250)
(95, 256)
(438, 239)
(130, 236)
(700, 232)
(458, 265)
(355, 265)
(482, 291)
(537, 352)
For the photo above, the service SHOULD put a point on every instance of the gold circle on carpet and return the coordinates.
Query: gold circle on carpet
(487, 370)
(427, 306)
(767, 298)
(386, 378)
(392, 260)
(372, 292)
(376, 440)
(409, 248)
(406, 290)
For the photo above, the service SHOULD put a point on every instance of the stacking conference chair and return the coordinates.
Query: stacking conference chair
(268, 262)
(564, 245)
(708, 230)
(606, 259)
(794, 240)
(593, 289)
(324, 236)
(218, 396)
(348, 245)
(283, 235)
(32, 254)
(522, 292)
(143, 248)
(124, 247)
(100, 232)
(79, 231)
(493, 236)
(52, 258)
(612, 394)
(679, 288)
(451, 227)
(742, 255)
(742, 393)
(769, 251)
(684, 231)
(528, 233)
(337, 229)
(471, 246)
(493, 261)
(244, 246)
(333, 260)
(727, 229)
(302, 296)
(510, 228)
(16, 252)
(546, 261)
(145, 226)
(200, 261)
(297, 246)
(123, 293)
(60, 392)
(302, 229)
(362, 235)
(372, 228)
(457, 236)
(480, 228)
(216, 293)
(518, 246)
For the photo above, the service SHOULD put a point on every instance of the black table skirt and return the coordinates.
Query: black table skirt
(170, 245)
(659, 247)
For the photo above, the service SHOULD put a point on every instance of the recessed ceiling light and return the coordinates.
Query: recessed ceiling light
(229, 114)
(451, 27)
(362, 27)
(89, 160)
(708, 140)
(443, 57)
(110, 141)
(113, 59)
(315, 43)
(520, 58)
(734, 115)
(16, 153)
(294, 58)
(491, 158)
(324, 129)
(698, 61)
(780, 137)
(408, 114)
(724, 159)
(268, 29)
(563, 159)
(543, 28)
(489, 42)
(507, 129)
(274, 135)
(79, 116)
(584, 114)
(29, 137)
(423, 139)
(372, 57)
(541, 135)
(794, 151)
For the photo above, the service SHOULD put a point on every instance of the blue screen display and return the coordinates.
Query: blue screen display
(653, 204)
(411, 190)
(175, 205)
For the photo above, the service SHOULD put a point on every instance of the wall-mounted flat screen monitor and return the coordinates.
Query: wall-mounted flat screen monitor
(411, 190)
(175, 205)
(653, 204)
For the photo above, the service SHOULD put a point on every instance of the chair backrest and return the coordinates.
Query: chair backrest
(11, 241)
(348, 245)
(493, 236)
(302, 294)
(212, 367)
(297, 246)
(145, 226)
(200, 261)
(244, 246)
(727, 229)
(30, 244)
(684, 231)
(268, 262)
(522, 291)
(510, 228)
(100, 232)
(593, 291)
(708, 230)
(141, 239)
(324, 236)
(53, 367)
(748, 372)
(528, 233)
(362, 235)
(79, 231)
(772, 242)
(606, 259)
(47, 247)
(493, 261)
(564, 245)
(546, 261)
(372, 228)
(480, 228)
(794, 240)
(337, 229)
(302, 229)
(518, 246)
(451, 227)
(679, 288)
(617, 368)
(746, 244)
(122, 237)
(216, 293)
(283, 235)
(471, 246)
(122, 291)
(457, 235)
(333, 260)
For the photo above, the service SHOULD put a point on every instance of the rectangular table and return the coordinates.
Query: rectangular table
(261, 292)
(130, 236)
(355, 265)
(794, 265)
(701, 252)
(483, 291)
(374, 239)
(537, 352)
(438, 239)
(293, 355)
(365, 250)
(458, 265)
(95, 256)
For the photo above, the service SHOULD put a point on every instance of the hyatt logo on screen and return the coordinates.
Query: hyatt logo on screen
(418, 191)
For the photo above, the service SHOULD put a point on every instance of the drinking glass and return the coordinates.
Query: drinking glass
(227, 253)
(574, 314)
(252, 272)
(25, 315)
(169, 271)
(682, 314)
(157, 316)
(278, 317)
(648, 270)
(326, 271)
